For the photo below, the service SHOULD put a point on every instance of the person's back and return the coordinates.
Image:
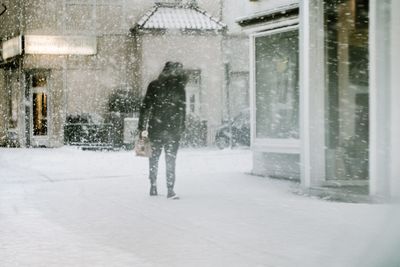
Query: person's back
(164, 109)
(168, 109)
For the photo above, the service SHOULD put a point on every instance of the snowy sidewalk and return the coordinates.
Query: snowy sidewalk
(67, 207)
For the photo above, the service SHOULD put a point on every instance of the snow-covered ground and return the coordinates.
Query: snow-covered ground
(67, 207)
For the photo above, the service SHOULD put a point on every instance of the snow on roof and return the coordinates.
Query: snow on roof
(179, 17)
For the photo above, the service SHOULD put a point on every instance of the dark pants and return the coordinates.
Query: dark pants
(170, 145)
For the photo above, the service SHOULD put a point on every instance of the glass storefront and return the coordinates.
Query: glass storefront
(347, 89)
(276, 85)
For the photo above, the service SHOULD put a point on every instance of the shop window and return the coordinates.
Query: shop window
(277, 88)
(347, 106)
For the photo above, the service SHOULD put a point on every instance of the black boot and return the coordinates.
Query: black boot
(172, 194)
(153, 190)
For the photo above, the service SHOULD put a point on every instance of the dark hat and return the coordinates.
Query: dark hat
(168, 66)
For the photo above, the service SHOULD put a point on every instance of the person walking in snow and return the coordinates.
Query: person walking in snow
(162, 114)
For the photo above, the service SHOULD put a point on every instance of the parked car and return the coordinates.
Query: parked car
(238, 129)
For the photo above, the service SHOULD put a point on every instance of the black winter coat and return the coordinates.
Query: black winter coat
(163, 108)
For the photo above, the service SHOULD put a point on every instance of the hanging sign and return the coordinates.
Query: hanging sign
(60, 45)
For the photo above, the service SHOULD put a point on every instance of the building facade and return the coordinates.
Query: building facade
(322, 92)
(60, 59)
(64, 59)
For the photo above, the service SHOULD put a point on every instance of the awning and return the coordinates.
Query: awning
(48, 45)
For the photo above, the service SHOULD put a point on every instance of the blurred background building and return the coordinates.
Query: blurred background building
(71, 63)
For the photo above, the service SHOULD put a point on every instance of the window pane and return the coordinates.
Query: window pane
(277, 89)
(347, 96)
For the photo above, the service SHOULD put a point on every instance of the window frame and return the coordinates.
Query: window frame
(273, 145)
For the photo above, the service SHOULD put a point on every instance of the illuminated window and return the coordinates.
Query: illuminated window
(39, 114)
(39, 105)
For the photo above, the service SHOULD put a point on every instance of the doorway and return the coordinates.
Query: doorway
(37, 108)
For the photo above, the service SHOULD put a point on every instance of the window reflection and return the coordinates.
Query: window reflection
(277, 90)
(347, 104)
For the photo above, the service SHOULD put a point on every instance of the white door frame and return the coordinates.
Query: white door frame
(35, 140)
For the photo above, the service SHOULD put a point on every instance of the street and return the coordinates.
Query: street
(67, 207)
